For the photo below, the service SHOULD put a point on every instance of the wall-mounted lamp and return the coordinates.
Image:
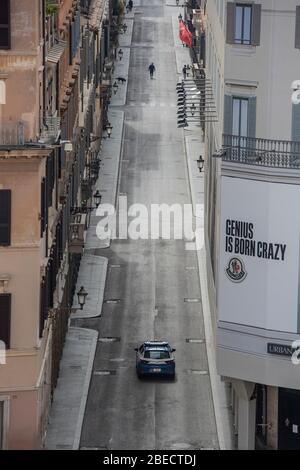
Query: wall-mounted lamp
(200, 163)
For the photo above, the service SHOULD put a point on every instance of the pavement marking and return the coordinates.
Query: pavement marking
(93, 448)
(197, 372)
(109, 339)
(117, 359)
(114, 266)
(112, 301)
(194, 340)
(192, 300)
(191, 268)
(63, 446)
(105, 372)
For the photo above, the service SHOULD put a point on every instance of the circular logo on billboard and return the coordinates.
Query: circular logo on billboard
(236, 270)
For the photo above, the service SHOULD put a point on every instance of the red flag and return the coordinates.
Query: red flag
(185, 35)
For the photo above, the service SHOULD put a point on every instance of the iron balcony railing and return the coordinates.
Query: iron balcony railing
(261, 152)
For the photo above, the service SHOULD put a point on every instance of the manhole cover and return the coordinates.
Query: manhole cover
(105, 372)
(109, 339)
(194, 340)
(112, 301)
(192, 300)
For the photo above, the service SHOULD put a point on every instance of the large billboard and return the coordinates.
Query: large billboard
(258, 282)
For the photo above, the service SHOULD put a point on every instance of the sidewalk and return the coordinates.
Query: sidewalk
(194, 147)
(70, 396)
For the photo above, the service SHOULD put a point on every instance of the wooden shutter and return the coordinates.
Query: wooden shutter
(230, 31)
(5, 313)
(252, 117)
(256, 24)
(228, 103)
(296, 123)
(43, 204)
(5, 24)
(297, 35)
(5, 217)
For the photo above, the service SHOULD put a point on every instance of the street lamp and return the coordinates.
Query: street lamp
(82, 294)
(97, 198)
(109, 128)
(115, 87)
(120, 54)
(193, 109)
(200, 163)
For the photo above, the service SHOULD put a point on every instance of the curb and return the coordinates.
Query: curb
(201, 259)
(87, 381)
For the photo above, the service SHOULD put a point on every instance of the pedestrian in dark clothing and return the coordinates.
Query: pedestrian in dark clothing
(184, 71)
(151, 69)
(130, 5)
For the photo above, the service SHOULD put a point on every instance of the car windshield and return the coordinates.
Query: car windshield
(156, 354)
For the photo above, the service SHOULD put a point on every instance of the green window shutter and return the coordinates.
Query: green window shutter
(296, 123)
(252, 117)
(5, 313)
(297, 35)
(256, 24)
(230, 30)
(228, 103)
(5, 217)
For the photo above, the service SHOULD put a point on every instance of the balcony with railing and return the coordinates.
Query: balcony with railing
(261, 152)
(50, 130)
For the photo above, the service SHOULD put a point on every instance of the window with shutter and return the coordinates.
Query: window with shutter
(297, 35)
(5, 313)
(43, 208)
(296, 123)
(243, 23)
(5, 24)
(5, 217)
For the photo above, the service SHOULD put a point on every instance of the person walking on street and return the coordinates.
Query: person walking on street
(184, 71)
(151, 69)
(130, 5)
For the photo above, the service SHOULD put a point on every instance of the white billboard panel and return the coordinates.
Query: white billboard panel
(258, 282)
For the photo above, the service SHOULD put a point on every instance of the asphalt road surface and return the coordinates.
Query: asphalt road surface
(152, 287)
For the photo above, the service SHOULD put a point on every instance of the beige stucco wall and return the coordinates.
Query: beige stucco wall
(21, 69)
(26, 376)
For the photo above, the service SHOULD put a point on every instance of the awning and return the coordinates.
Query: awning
(54, 54)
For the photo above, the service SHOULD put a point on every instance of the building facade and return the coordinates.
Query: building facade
(252, 177)
(54, 93)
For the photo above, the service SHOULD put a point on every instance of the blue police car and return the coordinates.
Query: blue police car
(155, 358)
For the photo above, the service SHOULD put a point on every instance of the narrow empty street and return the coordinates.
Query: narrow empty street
(152, 286)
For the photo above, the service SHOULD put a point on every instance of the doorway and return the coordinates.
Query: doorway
(288, 419)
